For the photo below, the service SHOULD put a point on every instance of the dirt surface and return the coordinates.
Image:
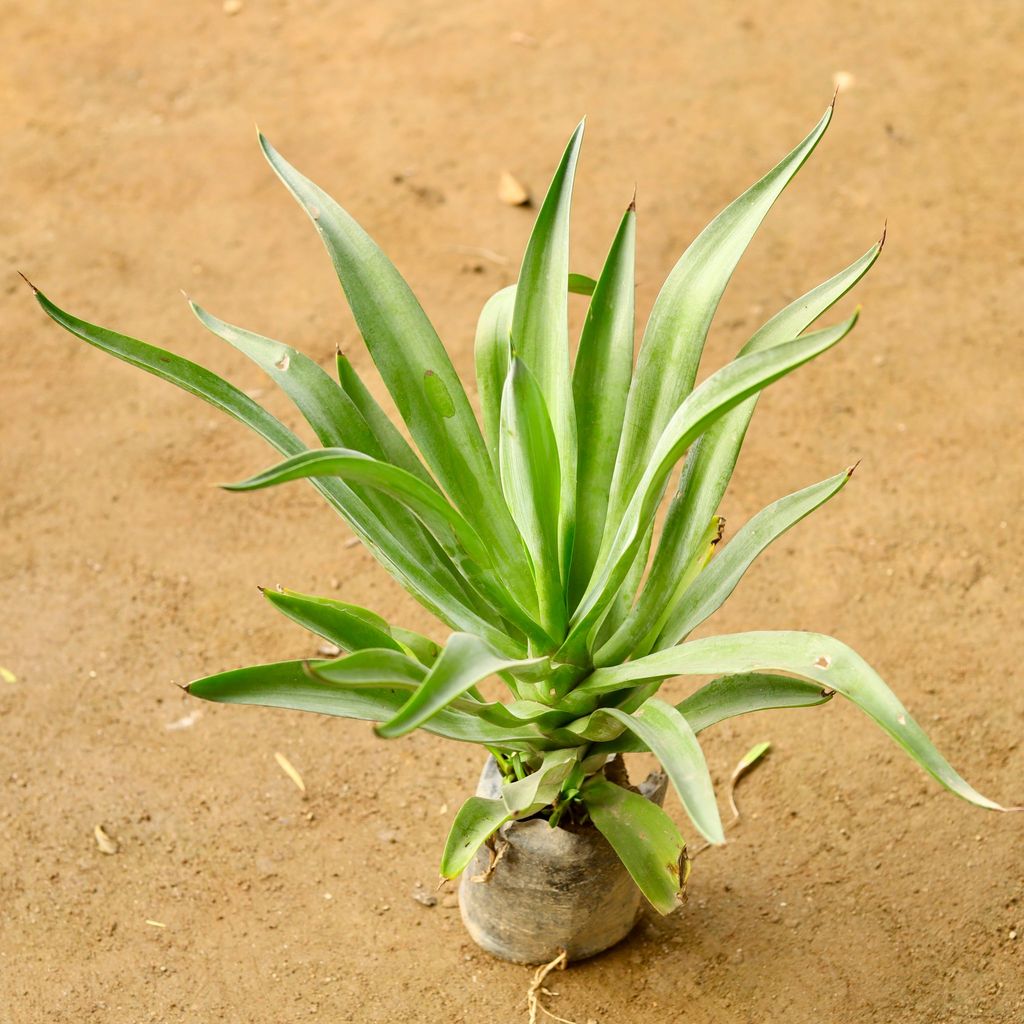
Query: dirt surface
(855, 890)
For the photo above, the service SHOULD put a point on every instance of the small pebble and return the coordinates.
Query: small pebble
(449, 901)
(425, 898)
(511, 191)
(232, 7)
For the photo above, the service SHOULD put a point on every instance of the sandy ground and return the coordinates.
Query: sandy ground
(855, 890)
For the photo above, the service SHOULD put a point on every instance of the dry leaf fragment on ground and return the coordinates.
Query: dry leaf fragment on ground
(185, 722)
(289, 769)
(7, 675)
(105, 842)
(512, 191)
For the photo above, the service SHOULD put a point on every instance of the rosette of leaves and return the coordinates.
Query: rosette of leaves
(531, 534)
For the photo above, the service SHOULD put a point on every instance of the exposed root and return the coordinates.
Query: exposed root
(537, 989)
(495, 856)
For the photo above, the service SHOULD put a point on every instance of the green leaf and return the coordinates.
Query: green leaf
(493, 353)
(622, 604)
(465, 661)
(478, 819)
(372, 668)
(540, 787)
(719, 393)
(713, 586)
(669, 737)
(414, 366)
(338, 421)
(493, 350)
(427, 587)
(741, 694)
(328, 410)
(728, 697)
(529, 478)
(580, 284)
(345, 625)
(644, 837)
(709, 467)
(457, 537)
(622, 644)
(600, 384)
(674, 338)
(540, 328)
(392, 445)
(811, 655)
(298, 686)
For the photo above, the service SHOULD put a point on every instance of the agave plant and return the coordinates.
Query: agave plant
(530, 535)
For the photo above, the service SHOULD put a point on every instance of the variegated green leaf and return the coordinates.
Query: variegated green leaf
(540, 329)
(403, 564)
(644, 837)
(478, 819)
(674, 338)
(600, 384)
(465, 661)
(709, 467)
(719, 393)
(414, 365)
(812, 655)
(528, 456)
(714, 585)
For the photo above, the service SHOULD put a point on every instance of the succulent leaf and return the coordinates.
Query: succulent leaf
(644, 837)
(674, 337)
(709, 464)
(465, 661)
(600, 384)
(722, 391)
(412, 362)
(729, 697)
(447, 603)
(540, 330)
(528, 455)
(477, 820)
(811, 655)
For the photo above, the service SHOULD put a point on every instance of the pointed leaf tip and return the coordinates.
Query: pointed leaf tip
(885, 229)
(35, 290)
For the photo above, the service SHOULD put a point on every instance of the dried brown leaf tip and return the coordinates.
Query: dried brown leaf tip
(511, 191)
